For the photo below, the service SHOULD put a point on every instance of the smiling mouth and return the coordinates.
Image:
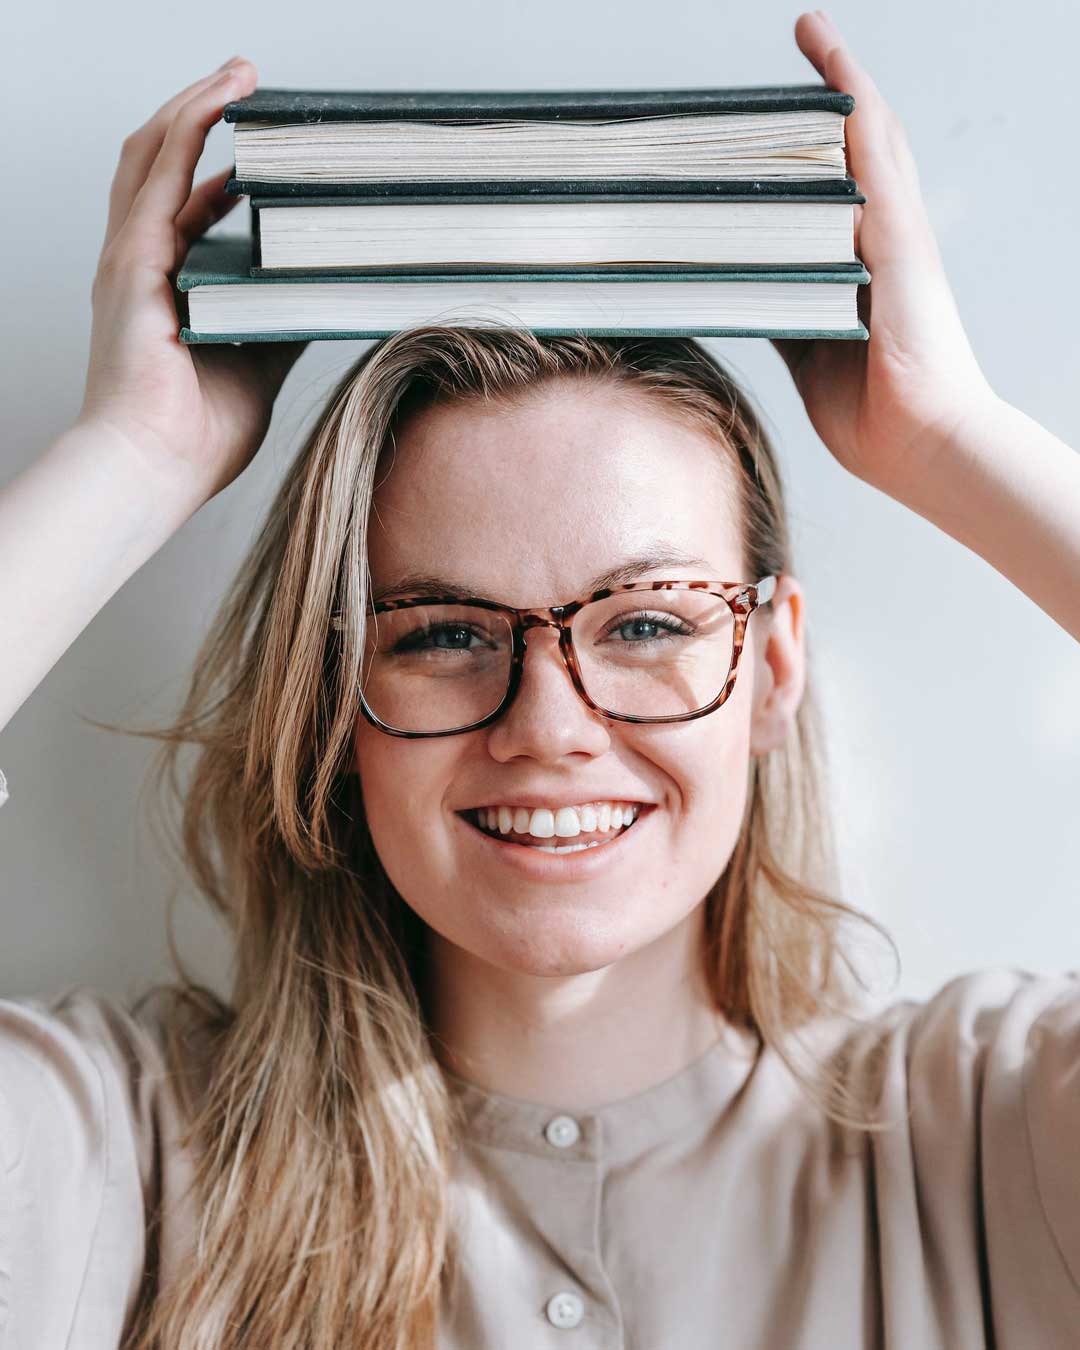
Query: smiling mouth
(575, 844)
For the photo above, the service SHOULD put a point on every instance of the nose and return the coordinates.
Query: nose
(548, 719)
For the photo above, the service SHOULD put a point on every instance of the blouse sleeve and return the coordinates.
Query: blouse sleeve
(979, 1196)
(1051, 1084)
(78, 1138)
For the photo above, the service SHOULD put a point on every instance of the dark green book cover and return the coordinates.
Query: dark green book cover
(363, 105)
(226, 260)
(843, 190)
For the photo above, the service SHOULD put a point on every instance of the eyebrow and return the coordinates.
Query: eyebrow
(429, 584)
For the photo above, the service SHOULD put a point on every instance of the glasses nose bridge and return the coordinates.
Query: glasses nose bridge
(538, 619)
(549, 618)
(546, 618)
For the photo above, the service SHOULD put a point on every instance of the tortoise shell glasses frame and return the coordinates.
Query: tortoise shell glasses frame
(741, 597)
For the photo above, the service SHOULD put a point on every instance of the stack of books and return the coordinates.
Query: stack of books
(675, 212)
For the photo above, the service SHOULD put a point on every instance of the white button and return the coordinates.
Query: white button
(565, 1310)
(562, 1131)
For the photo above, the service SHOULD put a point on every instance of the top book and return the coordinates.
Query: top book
(779, 134)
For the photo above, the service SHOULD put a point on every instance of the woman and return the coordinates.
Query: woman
(541, 1031)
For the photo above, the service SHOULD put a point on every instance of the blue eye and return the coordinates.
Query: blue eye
(458, 636)
(659, 623)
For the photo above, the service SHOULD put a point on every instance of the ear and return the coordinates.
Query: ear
(779, 666)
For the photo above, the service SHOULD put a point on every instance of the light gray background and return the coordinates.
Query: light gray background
(952, 701)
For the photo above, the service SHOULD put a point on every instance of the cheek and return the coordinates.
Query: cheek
(404, 785)
(705, 764)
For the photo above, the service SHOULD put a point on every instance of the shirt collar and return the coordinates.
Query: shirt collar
(622, 1129)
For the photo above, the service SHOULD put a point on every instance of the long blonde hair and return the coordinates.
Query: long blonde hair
(323, 1127)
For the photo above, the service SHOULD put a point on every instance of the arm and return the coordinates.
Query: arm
(910, 411)
(1009, 490)
(74, 525)
(162, 428)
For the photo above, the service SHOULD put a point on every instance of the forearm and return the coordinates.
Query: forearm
(1009, 490)
(74, 525)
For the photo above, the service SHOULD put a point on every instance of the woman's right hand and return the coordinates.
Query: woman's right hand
(195, 414)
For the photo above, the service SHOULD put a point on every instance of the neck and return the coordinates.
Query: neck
(576, 1041)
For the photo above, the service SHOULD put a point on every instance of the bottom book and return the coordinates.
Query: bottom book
(226, 303)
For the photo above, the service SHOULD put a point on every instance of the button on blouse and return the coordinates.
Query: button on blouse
(565, 1310)
(562, 1131)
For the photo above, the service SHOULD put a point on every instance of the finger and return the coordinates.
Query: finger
(865, 129)
(208, 204)
(140, 150)
(152, 219)
(879, 157)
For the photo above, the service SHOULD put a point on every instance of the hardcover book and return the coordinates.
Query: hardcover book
(336, 138)
(225, 303)
(348, 234)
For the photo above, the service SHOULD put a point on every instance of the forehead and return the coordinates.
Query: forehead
(528, 501)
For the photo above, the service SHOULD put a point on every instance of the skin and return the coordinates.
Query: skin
(536, 989)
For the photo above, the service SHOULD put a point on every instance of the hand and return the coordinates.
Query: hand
(886, 407)
(196, 415)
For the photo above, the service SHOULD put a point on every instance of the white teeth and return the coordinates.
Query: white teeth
(565, 822)
(542, 823)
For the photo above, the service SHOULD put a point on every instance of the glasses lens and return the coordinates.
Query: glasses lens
(655, 653)
(436, 667)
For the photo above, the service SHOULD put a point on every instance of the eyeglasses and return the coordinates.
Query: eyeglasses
(442, 665)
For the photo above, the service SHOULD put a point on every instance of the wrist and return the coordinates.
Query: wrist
(1008, 489)
(936, 482)
(147, 485)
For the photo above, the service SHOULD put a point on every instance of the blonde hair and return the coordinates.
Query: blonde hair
(323, 1127)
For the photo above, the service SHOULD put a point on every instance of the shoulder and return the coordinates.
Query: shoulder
(85, 1108)
(981, 1024)
(81, 1058)
(985, 1076)
(1006, 1033)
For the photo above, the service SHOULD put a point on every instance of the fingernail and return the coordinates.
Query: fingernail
(232, 61)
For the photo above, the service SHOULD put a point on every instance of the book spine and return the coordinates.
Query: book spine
(227, 261)
(556, 189)
(268, 196)
(312, 105)
(859, 333)
(554, 271)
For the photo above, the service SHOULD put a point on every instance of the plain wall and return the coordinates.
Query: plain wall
(951, 700)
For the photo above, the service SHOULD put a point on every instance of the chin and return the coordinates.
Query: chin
(557, 945)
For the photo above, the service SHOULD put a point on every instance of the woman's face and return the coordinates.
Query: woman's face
(528, 504)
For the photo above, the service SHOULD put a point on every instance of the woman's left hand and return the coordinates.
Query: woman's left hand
(886, 407)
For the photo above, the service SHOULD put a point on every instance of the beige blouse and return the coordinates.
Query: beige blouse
(717, 1209)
